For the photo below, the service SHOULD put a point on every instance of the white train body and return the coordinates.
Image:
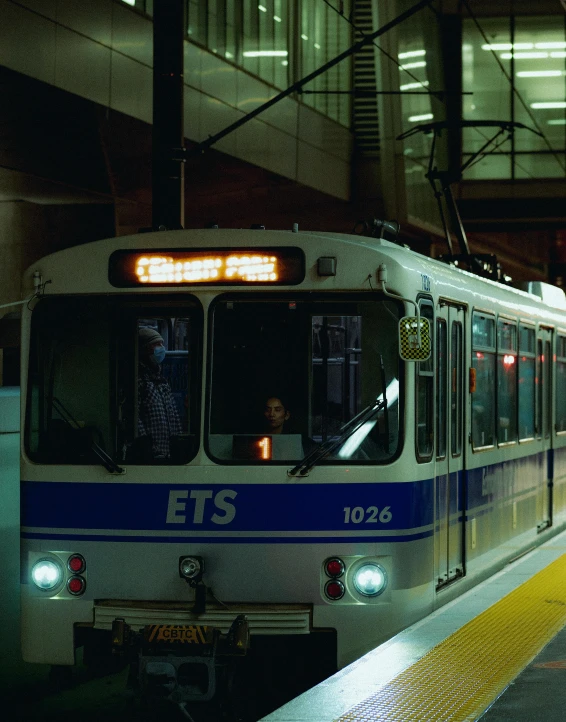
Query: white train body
(446, 491)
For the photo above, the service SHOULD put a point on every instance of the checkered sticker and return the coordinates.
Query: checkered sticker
(409, 348)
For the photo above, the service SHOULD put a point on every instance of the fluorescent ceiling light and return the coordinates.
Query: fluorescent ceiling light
(539, 74)
(411, 54)
(558, 54)
(317, 46)
(533, 55)
(522, 46)
(542, 106)
(262, 8)
(556, 121)
(416, 118)
(498, 46)
(266, 54)
(277, 19)
(413, 86)
(550, 46)
(418, 64)
(129, 2)
(304, 37)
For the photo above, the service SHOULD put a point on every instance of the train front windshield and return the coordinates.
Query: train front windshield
(287, 375)
(96, 389)
(283, 377)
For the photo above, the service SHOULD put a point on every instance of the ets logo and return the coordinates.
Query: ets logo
(201, 506)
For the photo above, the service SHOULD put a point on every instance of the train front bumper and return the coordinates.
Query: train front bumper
(264, 619)
(180, 663)
(179, 655)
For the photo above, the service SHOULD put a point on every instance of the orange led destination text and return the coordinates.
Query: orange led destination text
(207, 269)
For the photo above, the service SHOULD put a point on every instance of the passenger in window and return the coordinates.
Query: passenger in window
(157, 413)
(276, 414)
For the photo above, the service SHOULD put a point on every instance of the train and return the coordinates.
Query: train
(424, 448)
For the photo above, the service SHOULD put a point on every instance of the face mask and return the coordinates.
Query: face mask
(158, 355)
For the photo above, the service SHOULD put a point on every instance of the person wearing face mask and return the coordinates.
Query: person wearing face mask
(157, 414)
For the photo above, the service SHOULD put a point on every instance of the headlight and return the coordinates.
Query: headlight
(370, 579)
(191, 568)
(46, 574)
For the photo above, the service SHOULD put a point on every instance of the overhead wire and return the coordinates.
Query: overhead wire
(438, 95)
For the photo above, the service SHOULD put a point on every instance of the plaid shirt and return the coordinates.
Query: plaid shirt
(157, 413)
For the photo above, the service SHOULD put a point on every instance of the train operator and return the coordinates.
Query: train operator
(157, 414)
(276, 414)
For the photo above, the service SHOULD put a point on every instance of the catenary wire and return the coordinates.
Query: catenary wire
(438, 96)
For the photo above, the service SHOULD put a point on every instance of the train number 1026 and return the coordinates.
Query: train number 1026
(371, 515)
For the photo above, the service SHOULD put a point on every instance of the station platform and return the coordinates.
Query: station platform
(497, 653)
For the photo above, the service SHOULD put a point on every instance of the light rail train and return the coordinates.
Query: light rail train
(405, 475)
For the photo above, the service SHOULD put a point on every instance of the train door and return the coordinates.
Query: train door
(450, 507)
(544, 424)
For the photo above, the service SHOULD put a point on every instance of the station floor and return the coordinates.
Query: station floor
(498, 653)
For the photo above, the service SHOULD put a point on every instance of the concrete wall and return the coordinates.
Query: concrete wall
(28, 231)
(101, 50)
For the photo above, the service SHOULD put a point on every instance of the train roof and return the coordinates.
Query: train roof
(89, 264)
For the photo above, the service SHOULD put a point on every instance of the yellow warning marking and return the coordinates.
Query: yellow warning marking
(460, 677)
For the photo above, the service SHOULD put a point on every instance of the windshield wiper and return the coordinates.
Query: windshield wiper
(385, 406)
(107, 461)
(328, 447)
(347, 430)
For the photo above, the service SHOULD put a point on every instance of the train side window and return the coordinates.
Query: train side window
(441, 380)
(483, 399)
(561, 383)
(506, 381)
(456, 383)
(425, 394)
(527, 387)
(540, 388)
(544, 386)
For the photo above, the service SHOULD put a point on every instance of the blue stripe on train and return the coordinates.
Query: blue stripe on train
(239, 508)
(271, 539)
(310, 508)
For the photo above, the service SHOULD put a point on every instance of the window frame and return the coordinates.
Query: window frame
(422, 372)
(530, 355)
(441, 382)
(334, 300)
(456, 369)
(492, 350)
(123, 309)
(501, 352)
(560, 359)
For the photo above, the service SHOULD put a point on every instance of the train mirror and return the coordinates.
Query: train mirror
(414, 346)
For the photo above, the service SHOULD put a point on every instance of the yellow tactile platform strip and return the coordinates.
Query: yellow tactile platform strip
(460, 677)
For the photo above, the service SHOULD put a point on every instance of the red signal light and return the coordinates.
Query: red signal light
(334, 567)
(76, 563)
(76, 585)
(334, 589)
